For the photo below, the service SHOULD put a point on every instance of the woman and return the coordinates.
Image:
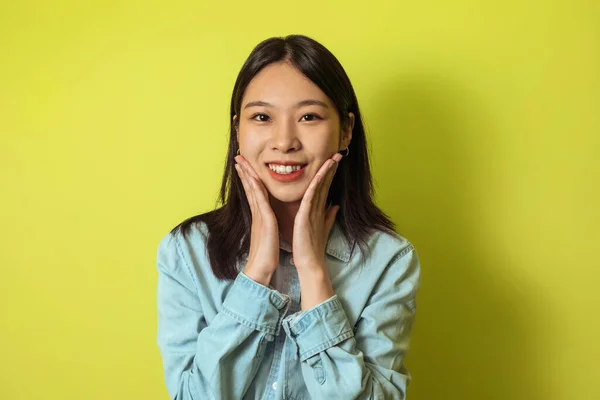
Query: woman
(297, 287)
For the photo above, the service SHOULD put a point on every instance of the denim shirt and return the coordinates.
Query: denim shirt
(242, 340)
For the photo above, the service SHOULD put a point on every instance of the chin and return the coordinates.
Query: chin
(288, 195)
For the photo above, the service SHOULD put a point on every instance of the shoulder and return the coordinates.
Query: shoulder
(390, 245)
(182, 243)
(395, 259)
(188, 232)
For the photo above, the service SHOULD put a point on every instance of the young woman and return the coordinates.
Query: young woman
(297, 287)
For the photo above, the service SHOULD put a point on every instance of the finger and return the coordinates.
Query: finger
(248, 167)
(251, 172)
(323, 190)
(247, 187)
(336, 159)
(245, 183)
(261, 199)
(259, 196)
(254, 185)
(309, 198)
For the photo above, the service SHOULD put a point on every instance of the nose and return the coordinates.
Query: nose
(285, 138)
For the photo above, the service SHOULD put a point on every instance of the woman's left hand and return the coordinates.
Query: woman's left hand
(313, 223)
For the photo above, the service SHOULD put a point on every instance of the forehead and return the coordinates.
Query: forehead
(283, 85)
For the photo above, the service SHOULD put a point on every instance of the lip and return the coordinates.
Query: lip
(287, 177)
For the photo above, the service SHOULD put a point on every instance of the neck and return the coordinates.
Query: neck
(285, 213)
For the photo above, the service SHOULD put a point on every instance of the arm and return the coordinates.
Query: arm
(367, 363)
(220, 360)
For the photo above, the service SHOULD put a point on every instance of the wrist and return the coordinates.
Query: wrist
(315, 274)
(264, 278)
(315, 288)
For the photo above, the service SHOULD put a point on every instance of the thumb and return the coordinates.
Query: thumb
(330, 218)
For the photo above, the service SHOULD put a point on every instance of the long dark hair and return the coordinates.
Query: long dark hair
(352, 187)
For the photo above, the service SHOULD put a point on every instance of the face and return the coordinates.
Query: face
(286, 119)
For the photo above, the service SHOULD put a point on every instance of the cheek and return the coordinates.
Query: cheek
(329, 136)
(322, 145)
(251, 145)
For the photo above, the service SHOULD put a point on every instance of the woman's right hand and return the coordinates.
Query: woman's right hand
(263, 257)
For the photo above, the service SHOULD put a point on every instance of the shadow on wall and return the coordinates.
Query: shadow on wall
(471, 338)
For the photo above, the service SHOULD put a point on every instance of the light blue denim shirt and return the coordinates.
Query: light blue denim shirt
(242, 340)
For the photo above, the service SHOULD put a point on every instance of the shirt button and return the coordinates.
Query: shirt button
(274, 385)
(292, 260)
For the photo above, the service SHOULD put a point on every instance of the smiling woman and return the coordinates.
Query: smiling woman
(283, 97)
(239, 318)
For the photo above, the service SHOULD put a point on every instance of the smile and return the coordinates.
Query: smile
(286, 173)
(285, 169)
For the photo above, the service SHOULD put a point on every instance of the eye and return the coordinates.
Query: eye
(312, 117)
(265, 119)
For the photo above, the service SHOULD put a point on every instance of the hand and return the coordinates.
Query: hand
(313, 224)
(263, 257)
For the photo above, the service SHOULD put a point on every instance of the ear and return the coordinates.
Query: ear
(347, 132)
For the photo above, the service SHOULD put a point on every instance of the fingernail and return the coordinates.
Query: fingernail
(337, 157)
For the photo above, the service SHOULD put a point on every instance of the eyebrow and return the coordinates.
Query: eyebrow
(302, 103)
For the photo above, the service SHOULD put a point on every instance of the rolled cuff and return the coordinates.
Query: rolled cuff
(255, 305)
(318, 328)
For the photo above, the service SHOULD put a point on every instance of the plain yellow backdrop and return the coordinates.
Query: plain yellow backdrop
(483, 122)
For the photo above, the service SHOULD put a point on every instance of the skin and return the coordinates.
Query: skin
(288, 130)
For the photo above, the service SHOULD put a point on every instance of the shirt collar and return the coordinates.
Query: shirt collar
(337, 245)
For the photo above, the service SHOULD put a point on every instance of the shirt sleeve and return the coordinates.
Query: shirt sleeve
(220, 360)
(365, 362)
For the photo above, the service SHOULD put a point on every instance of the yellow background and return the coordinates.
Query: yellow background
(483, 120)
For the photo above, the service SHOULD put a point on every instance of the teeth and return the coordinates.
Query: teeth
(284, 169)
